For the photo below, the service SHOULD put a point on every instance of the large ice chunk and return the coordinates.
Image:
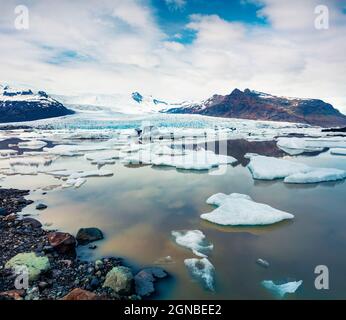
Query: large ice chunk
(194, 240)
(317, 175)
(32, 144)
(238, 209)
(280, 290)
(338, 151)
(202, 270)
(295, 146)
(268, 168)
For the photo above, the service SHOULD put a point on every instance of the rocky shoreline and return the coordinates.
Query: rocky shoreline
(52, 268)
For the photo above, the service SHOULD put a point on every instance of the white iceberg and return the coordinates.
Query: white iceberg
(194, 240)
(202, 270)
(268, 168)
(32, 144)
(238, 209)
(280, 290)
(295, 146)
(33, 161)
(20, 170)
(168, 151)
(194, 160)
(61, 173)
(338, 151)
(77, 183)
(92, 173)
(75, 150)
(103, 157)
(317, 175)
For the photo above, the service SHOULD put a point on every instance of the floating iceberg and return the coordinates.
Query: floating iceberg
(21, 170)
(280, 290)
(194, 240)
(268, 168)
(75, 150)
(168, 151)
(295, 146)
(92, 173)
(33, 144)
(338, 151)
(202, 270)
(77, 183)
(194, 160)
(177, 158)
(103, 157)
(34, 161)
(238, 209)
(317, 175)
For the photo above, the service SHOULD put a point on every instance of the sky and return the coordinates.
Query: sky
(176, 50)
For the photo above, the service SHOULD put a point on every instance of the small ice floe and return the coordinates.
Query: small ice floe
(32, 144)
(76, 183)
(280, 290)
(103, 157)
(268, 168)
(249, 155)
(194, 160)
(194, 240)
(5, 154)
(239, 209)
(33, 161)
(202, 270)
(317, 175)
(263, 263)
(295, 146)
(61, 173)
(75, 150)
(141, 157)
(20, 170)
(91, 173)
(338, 151)
(168, 151)
(133, 148)
(164, 260)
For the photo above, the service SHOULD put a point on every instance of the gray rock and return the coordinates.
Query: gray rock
(144, 280)
(87, 235)
(3, 212)
(120, 280)
(41, 206)
(32, 223)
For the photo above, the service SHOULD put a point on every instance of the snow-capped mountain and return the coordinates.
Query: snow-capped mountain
(255, 105)
(18, 105)
(134, 103)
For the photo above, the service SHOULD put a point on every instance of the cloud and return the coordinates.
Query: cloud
(105, 46)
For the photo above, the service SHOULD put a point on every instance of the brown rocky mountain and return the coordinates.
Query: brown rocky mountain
(254, 105)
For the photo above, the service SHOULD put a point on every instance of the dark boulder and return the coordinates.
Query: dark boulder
(87, 235)
(144, 280)
(63, 243)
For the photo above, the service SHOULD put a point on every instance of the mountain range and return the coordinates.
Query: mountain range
(255, 105)
(24, 105)
(17, 105)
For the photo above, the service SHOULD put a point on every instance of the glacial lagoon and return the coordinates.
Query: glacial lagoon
(140, 205)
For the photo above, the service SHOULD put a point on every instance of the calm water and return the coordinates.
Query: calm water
(138, 208)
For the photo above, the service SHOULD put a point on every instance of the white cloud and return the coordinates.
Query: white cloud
(121, 49)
